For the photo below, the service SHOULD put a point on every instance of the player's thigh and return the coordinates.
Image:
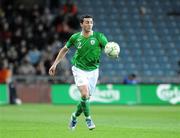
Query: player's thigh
(80, 77)
(92, 81)
(84, 91)
(81, 81)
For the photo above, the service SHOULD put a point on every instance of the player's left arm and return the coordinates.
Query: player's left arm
(103, 40)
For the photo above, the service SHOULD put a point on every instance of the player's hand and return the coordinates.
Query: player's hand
(52, 70)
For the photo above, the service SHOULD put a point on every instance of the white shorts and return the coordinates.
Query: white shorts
(83, 77)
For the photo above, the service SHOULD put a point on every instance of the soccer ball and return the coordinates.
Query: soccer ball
(112, 49)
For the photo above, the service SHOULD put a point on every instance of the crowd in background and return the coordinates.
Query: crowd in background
(30, 38)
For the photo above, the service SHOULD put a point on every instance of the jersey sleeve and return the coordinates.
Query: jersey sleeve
(70, 42)
(103, 40)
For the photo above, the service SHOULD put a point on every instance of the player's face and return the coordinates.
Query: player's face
(87, 24)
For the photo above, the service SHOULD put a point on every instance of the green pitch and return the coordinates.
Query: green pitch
(51, 121)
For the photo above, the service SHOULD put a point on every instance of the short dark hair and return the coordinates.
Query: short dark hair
(85, 16)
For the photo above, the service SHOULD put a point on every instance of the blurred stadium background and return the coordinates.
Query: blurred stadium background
(148, 32)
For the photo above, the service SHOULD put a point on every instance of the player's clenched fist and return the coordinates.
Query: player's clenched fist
(52, 70)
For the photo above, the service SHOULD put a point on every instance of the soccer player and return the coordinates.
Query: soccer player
(89, 46)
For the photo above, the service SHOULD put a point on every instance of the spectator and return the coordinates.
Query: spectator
(54, 4)
(71, 20)
(47, 64)
(34, 55)
(58, 21)
(142, 10)
(178, 72)
(6, 77)
(5, 32)
(70, 8)
(40, 69)
(130, 79)
(5, 73)
(26, 68)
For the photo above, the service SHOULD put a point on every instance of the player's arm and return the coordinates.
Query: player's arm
(58, 59)
(103, 40)
(60, 55)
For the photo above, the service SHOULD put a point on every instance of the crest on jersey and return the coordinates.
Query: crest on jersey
(92, 42)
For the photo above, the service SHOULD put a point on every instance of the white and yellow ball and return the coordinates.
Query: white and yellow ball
(112, 49)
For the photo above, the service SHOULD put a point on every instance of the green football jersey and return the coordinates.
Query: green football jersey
(88, 50)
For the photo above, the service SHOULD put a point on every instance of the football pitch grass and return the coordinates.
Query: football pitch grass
(51, 121)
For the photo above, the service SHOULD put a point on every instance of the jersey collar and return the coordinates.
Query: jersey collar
(90, 34)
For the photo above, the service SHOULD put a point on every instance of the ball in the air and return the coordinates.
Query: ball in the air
(112, 49)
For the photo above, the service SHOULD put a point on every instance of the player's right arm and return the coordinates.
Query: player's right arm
(59, 57)
(61, 54)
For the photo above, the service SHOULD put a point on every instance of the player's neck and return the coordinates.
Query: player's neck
(86, 34)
